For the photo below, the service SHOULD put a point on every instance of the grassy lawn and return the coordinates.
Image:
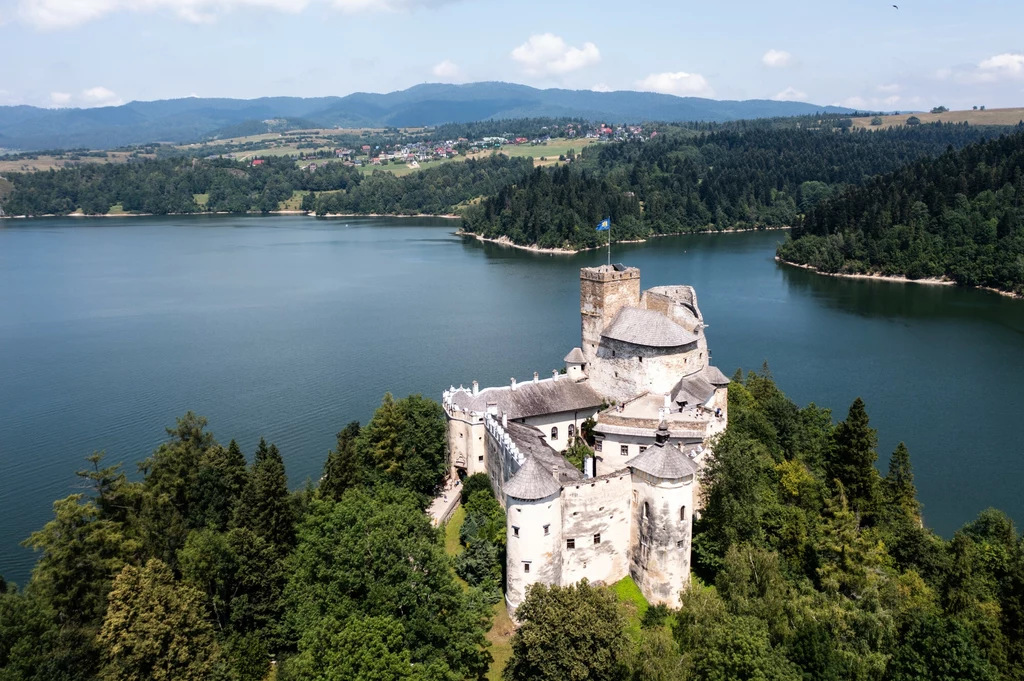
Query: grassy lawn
(201, 199)
(451, 532)
(500, 637)
(633, 602)
(116, 209)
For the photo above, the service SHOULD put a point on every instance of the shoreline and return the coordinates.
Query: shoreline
(449, 216)
(899, 279)
(534, 248)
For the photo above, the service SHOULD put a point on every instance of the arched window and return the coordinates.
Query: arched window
(554, 433)
(647, 510)
(682, 513)
(572, 431)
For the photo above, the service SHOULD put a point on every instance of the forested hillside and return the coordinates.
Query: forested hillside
(808, 564)
(189, 185)
(959, 216)
(742, 176)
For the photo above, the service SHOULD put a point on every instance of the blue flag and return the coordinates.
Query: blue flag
(604, 225)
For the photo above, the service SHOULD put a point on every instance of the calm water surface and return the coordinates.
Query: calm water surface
(289, 327)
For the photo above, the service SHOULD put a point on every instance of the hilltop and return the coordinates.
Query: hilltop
(973, 117)
(196, 119)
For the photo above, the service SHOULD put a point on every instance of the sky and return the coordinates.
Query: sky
(866, 55)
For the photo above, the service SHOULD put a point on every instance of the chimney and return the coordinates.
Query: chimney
(536, 377)
(504, 421)
(476, 387)
(554, 374)
(513, 382)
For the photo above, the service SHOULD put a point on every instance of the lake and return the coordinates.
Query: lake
(288, 327)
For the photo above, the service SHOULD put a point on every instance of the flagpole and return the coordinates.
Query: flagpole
(609, 242)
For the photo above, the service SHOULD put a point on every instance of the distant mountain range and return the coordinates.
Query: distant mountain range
(194, 119)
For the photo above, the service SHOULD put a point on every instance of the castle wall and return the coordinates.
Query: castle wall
(533, 553)
(466, 447)
(659, 538)
(622, 370)
(561, 421)
(501, 460)
(594, 509)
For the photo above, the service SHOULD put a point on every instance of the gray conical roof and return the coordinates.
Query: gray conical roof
(532, 482)
(664, 461)
(575, 356)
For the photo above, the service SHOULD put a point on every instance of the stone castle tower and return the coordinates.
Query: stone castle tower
(604, 291)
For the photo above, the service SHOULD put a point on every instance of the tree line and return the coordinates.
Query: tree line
(807, 564)
(192, 185)
(958, 216)
(208, 567)
(737, 176)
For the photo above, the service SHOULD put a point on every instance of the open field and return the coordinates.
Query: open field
(48, 162)
(550, 151)
(987, 117)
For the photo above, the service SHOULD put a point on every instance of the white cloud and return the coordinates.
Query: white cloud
(100, 96)
(679, 83)
(855, 102)
(66, 13)
(891, 88)
(448, 71)
(791, 94)
(60, 98)
(777, 59)
(548, 54)
(600, 87)
(1006, 65)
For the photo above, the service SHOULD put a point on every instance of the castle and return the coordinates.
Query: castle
(643, 374)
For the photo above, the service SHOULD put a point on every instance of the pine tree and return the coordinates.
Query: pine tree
(155, 629)
(898, 491)
(342, 470)
(852, 462)
(264, 507)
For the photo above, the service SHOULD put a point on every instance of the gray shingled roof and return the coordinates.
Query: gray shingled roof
(664, 461)
(533, 399)
(531, 444)
(700, 387)
(647, 328)
(575, 356)
(715, 376)
(532, 482)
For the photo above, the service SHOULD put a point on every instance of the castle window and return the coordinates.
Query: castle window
(682, 513)
(641, 359)
(597, 538)
(570, 543)
(572, 431)
(681, 543)
(624, 450)
(554, 433)
(480, 458)
(597, 445)
(547, 530)
(643, 448)
(647, 510)
(613, 353)
(526, 568)
(515, 531)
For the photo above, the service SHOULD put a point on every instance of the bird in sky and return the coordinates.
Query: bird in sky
(896, 6)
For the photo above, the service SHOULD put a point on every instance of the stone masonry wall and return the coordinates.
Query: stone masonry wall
(592, 508)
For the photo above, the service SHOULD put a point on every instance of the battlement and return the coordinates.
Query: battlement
(606, 273)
